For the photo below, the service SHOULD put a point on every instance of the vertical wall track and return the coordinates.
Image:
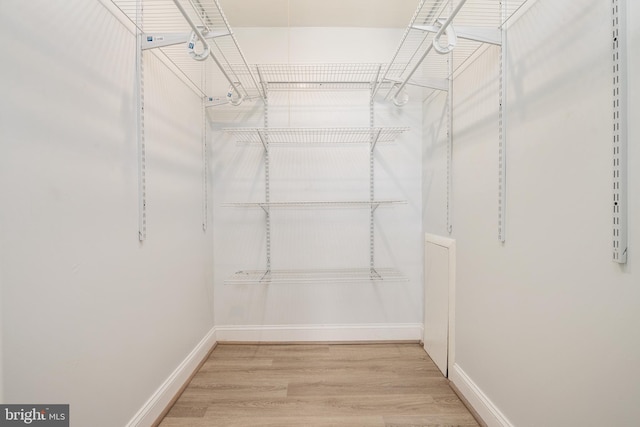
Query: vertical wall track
(619, 132)
(205, 158)
(372, 181)
(267, 188)
(142, 160)
(502, 122)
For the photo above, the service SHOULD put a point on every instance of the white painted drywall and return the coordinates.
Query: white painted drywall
(1, 340)
(546, 323)
(326, 238)
(90, 316)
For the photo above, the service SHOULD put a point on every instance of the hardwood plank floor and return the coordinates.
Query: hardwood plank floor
(346, 385)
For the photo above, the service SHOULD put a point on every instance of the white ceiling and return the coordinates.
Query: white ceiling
(319, 13)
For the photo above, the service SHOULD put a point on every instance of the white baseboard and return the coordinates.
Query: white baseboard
(320, 333)
(485, 408)
(160, 400)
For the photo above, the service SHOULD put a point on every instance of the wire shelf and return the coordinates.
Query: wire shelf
(349, 204)
(163, 18)
(484, 16)
(333, 76)
(320, 76)
(258, 277)
(316, 135)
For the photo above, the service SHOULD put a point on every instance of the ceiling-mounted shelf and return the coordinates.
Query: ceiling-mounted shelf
(421, 58)
(257, 277)
(316, 135)
(179, 28)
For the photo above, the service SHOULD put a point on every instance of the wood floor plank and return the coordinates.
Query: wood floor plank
(225, 391)
(448, 420)
(370, 385)
(336, 406)
(291, 421)
(187, 411)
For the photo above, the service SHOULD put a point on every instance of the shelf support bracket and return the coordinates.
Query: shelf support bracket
(263, 139)
(376, 82)
(156, 40)
(262, 83)
(477, 34)
(375, 139)
(266, 274)
(429, 83)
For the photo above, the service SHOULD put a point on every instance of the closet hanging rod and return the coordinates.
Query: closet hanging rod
(445, 27)
(205, 43)
(475, 23)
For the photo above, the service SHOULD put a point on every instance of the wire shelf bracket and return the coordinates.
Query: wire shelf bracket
(157, 40)
(478, 34)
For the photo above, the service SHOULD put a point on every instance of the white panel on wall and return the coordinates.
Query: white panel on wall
(439, 298)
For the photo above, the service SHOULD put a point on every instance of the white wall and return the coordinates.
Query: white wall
(546, 323)
(326, 238)
(90, 316)
(1, 340)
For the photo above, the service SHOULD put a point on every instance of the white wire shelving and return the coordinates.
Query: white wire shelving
(329, 204)
(442, 27)
(336, 76)
(354, 275)
(183, 30)
(313, 77)
(310, 136)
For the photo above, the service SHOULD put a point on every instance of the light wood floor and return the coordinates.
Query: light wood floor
(361, 385)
